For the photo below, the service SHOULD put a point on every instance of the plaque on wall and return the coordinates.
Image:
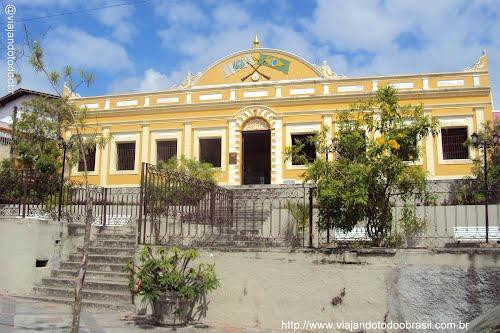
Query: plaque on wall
(233, 157)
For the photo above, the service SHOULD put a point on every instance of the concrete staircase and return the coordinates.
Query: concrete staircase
(106, 285)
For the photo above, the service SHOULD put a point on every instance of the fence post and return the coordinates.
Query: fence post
(212, 206)
(311, 217)
(25, 192)
(141, 203)
(105, 202)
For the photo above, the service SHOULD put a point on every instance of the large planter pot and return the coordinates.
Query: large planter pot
(171, 309)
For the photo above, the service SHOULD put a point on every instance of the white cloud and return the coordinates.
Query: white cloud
(119, 20)
(180, 12)
(78, 48)
(151, 80)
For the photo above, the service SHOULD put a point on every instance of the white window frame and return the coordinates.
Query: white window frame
(165, 136)
(302, 128)
(450, 122)
(123, 138)
(420, 146)
(74, 168)
(211, 133)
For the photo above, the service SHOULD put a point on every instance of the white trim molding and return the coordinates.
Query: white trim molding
(299, 128)
(450, 83)
(165, 100)
(342, 89)
(210, 97)
(132, 102)
(450, 122)
(123, 138)
(165, 135)
(253, 94)
(302, 91)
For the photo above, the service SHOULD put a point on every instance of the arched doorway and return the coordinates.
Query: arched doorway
(256, 152)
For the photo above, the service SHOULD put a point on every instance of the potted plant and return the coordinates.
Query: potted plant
(170, 284)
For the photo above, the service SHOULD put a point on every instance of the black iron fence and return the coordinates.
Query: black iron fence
(170, 207)
(175, 206)
(26, 194)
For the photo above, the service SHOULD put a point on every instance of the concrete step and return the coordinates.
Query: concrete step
(85, 303)
(91, 275)
(117, 236)
(94, 285)
(87, 294)
(119, 251)
(100, 267)
(111, 243)
(102, 258)
(114, 230)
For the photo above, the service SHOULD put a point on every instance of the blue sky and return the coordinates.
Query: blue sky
(151, 45)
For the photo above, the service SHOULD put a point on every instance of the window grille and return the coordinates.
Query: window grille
(453, 143)
(308, 149)
(165, 150)
(210, 151)
(90, 157)
(126, 155)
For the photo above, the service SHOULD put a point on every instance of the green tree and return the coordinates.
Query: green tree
(69, 118)
(374, 145)
(190, 167)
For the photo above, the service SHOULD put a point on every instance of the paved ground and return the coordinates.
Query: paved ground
(23, 315)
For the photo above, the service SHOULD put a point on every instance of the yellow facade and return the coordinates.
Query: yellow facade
(291, 95)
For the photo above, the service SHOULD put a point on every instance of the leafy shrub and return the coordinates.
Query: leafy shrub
(169, 270)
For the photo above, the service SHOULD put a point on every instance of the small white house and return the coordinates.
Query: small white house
(10, 106)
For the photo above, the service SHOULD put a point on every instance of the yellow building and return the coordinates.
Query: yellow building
(244, 110)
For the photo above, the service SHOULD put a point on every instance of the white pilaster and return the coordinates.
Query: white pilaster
(188, 98)
(187, 140)
(233, 168)
(106, 104)
(146, 101)
(326, 89)
(278, 150)
(232, 95)
(479, 118)
(374, 85)
(105, 157)
(327, 122)
(145, 144)
(429, 151)
(425, 83)
(477, 83)
(278, 92)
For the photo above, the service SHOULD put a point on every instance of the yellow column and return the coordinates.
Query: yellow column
(327, 121)
(187, 140)
(105, 157)
(145, 144)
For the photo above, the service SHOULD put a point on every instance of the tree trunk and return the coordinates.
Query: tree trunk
(13, 134)
(77, 306)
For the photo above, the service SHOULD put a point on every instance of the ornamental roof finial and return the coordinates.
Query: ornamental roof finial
(255, 42)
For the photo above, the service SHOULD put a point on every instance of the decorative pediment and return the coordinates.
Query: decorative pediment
(327, 72)
(480, 65)
(255, 118)
(256, 124)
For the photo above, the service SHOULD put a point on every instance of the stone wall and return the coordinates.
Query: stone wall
(266, 288)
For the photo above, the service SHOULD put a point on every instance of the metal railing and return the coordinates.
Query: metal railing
(175, 206)
(170, 207)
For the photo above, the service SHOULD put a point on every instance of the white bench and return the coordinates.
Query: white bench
(356, 234)
(113, 220)
(476, 233)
